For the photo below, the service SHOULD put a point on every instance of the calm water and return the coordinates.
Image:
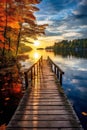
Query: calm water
(75, 83)
(74, 80)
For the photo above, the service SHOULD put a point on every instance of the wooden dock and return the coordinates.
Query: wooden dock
(44, 105)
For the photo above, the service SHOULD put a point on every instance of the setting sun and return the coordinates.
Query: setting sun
(36, 43)
(36, 55)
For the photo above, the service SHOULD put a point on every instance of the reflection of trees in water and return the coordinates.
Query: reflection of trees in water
(10, 93)
(69, 53)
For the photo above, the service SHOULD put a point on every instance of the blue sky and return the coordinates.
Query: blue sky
(67, 19)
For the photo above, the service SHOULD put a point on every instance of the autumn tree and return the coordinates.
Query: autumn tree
(8, 22)
(17, 21)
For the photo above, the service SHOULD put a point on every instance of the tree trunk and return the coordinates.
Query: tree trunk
(3, 52)
(19, 38)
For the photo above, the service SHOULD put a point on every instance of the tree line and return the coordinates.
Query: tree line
(76, 44)
(76, 47)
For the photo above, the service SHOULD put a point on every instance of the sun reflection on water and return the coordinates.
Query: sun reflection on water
(36, 54)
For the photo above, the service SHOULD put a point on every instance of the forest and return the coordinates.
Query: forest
(76, 44)
(17, 26)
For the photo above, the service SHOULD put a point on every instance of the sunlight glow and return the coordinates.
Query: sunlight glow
(36, 55)
(36, 43)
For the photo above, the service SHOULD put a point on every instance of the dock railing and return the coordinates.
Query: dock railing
(32, 72)
(59, 73)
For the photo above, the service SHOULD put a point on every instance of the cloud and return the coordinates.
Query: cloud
(83, 2)
(49, 40)
(72, 35)
(81, 10)
(66, 18)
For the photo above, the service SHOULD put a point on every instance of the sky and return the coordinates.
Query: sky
(67, 19)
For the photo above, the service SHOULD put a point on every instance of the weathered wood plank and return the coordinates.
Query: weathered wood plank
(34, 128)
(40, 117)
(43, 124)
(24, 108)
(50, 112)
(50, 104)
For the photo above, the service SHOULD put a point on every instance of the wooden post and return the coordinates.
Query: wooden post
(55, 69)
(41, 62)
(31, 74)
(52, 65)
(34, 70)
(26, 79)
(61, 79)
(41, 59)
(37, 68)
(39, 65)
(57, 73)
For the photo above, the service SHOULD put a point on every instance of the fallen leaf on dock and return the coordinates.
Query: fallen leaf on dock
(84, 113)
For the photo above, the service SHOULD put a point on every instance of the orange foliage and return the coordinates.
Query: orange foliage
(4, 46)
(4, 1)
(1, 9)
(12, 16)
(1, 45)
(29, 1)
(33, 8)
(31, 16)
(7, 47)
(1, 39)
(34, 1)
(13, 25)
(16, 87)
(1, 29)
(17, 0)
(27, 20)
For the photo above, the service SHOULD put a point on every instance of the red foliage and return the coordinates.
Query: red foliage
(1, 39)
(16, 87)
(4, 1)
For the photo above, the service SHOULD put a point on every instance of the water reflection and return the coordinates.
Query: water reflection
(75, 82)
(71, 53)
(10, 93)
(36, 54)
